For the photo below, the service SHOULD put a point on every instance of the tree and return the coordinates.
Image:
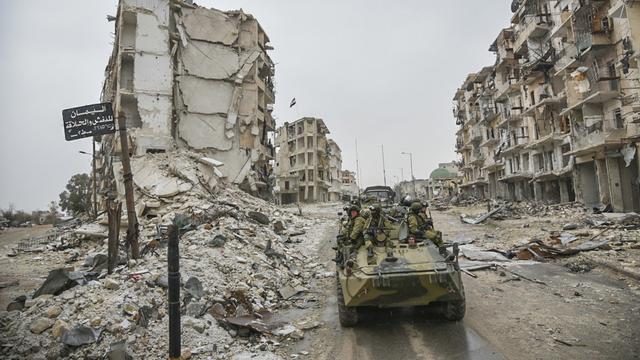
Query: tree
(76, 199)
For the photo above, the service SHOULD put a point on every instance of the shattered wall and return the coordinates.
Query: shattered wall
(189, 77)
(224, 91)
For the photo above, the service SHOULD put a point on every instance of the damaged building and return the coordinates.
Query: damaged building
(188, 77)
(308, 164)
(557, 117)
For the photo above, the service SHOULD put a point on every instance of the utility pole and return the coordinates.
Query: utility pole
(132, 220)
(384, 171)
(357, 169)
(173, 267)
(95, 183)
(413, 179)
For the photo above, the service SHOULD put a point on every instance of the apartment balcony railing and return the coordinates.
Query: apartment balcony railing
(534, 26)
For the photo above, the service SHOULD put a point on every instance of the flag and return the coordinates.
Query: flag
(293, 102)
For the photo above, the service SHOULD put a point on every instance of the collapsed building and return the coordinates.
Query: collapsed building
(308, 164)
(349, 186)
(557, 117)
(188, 77)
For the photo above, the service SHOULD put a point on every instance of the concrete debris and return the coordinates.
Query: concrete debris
(259, 217)
(480, 218)
(474, 253)
(239, 274)
(40, 325)
(80, 335)
(194, 288)
(118, 351)
(58, 281)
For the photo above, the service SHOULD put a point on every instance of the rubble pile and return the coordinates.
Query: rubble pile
(520, 209)
(242, 261)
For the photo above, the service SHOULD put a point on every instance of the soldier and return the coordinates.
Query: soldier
(421, 226)
(374, 230)
(356, 235)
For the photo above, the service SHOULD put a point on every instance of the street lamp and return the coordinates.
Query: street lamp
(93, 168)
(413, 179)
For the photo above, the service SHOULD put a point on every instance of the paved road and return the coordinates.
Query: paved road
(390, 334)
(406, 334)
(505, 319)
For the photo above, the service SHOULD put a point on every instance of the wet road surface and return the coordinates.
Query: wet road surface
(385, 334)
(390, 334)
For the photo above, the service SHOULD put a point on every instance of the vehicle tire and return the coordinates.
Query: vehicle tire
(348, 315)
(454, 310)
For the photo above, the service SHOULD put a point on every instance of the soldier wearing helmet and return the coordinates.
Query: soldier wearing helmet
(420, 225)
(374, 230)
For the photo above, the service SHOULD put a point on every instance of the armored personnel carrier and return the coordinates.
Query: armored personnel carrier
(410, 273)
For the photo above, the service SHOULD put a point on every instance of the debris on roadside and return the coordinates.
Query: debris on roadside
(239, 266)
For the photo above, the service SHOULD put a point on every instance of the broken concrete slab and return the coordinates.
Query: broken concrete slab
(210, 61)
(481, 218)
(80, 335)
(193, 287)
(474, 253)
(147, 178)
(192, 89)
(210, 25)
(57, 281)
(202, 131)
(93, 230)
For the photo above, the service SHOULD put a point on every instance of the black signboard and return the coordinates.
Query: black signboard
(87, 121)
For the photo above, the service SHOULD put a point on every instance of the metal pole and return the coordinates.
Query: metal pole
(113, 215)
(173, 259)
(413, 178)
(384, 171)
(357, 169)
(132, 220)
(95, 184)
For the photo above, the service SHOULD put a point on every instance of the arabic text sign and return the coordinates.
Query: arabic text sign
(89, 120)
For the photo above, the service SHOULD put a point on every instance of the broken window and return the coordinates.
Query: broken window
(550, 159)
(539, 162)
(565, 157)
(618, 122)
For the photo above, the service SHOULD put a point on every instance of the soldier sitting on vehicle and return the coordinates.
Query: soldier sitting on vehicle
(421, 226)
(374, 230)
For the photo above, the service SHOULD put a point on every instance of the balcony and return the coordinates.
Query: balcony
(533, 27)
(593, 86)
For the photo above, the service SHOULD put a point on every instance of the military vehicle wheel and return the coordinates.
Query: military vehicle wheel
(454, 310)
(348, 315)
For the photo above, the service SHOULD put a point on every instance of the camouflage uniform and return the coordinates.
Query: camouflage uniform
(355, 232)
(374, 230)
(420, 227)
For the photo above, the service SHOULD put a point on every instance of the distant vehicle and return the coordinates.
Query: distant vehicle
(379, 193)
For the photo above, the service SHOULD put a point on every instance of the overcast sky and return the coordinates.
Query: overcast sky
(383, 72)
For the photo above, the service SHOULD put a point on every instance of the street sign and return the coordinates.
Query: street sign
(89, 120)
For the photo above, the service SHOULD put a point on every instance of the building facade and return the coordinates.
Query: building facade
(184, 76)
(557, 117)
(349, 188)
(306, 162)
